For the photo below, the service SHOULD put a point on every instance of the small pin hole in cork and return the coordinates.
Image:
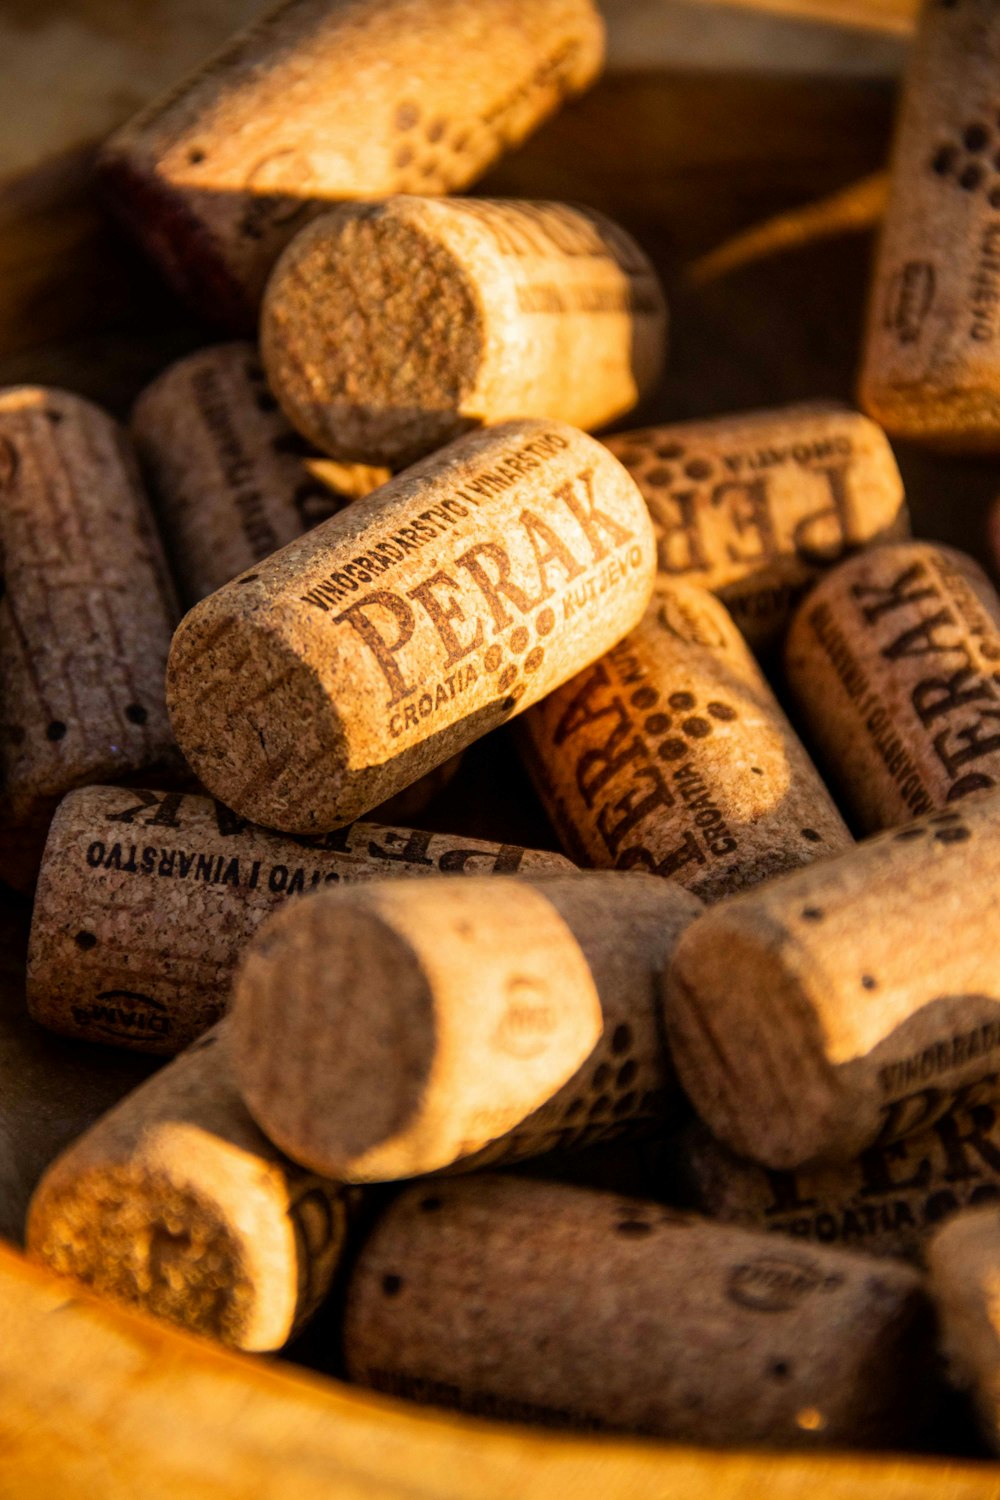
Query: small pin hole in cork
(869, 982)
(621, 1038)
(195, 156)
(136, 714)
(430, 1205)
(86, 941)
(633, 1228)
(250, 578)
(811, 835)
(813, 913)
(392, 1285)
(779, 1369)
(55, 730)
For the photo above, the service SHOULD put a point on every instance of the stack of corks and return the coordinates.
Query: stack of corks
(687, 1128)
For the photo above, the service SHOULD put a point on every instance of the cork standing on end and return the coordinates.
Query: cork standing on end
(318, 103)
(391, 328)
(672, 756)
(371, 650)
(757, 505)
(402, 1028)
(964, 1259)
(85, 616)
(892, 662)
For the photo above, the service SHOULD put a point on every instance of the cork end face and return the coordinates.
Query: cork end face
(951, 421)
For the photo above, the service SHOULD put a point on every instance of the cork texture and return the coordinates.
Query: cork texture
(174, 1203)
(866, 1003)
(85, 618)
(319, 103)
(355, 660)
(415, 1030)
(892, 662)
(550, 1304)
(931, 371)
(964, 1257)
(146, 900)
(758, 505)
(454, 314)
(671, 755)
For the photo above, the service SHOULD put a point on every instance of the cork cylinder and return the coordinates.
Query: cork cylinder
(391, 328)
(401, 1028)
(758, 505)
(320, 102)
(671, 755)
(931, 370)
(849, 1004)
(892, 662)
(85, 617)
(146, 900)
(393, 635)
(545, 1303)
(964, 1261)
(175, 1203)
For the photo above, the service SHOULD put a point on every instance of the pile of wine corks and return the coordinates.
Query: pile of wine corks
(684, 1123)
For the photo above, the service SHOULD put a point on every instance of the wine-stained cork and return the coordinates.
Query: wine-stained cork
(146, 900)
(85, 617)
(321, 102)
(849, 1004)
(402, 1028)
(452, 314)
(757, 505)
(176, 1204)
(964, 1259)
(551, 1304)
(671, 755)
(415, 621)
(233, 480)
(931, 370)
(893, 663)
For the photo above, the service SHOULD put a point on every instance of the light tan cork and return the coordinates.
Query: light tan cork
(757, 505)
(964, 1259)
(671, 755)
(175, 1203)
(931, 371)
(401, 1028)
(393, 635)
(849, 1004)
(888, 1201)
(447, 315)
(232, 479)
(892, 662)
(85, 617)
(146, 900)
(551, 1304)
(322, 102)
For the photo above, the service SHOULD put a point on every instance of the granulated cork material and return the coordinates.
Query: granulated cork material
(671, 755)
(454, 314)
(358, 658)
(758, 505)
(892, 661)
(964, 1260)
(319, 102)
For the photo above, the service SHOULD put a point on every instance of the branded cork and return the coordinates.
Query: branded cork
(176, 1204)
(454, 314)
(85, 617)
(232, 479)
(893, 662)
(756, 506)
(931, 371)
(964, 1259)
(671, 755)
(146, 900)
(423, 1021)
(418, 619)
(849, 1004)
(552, 1304)
(318, 103)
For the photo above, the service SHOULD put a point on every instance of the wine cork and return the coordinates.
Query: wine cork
(964, 1261)
(85, 618)
(421, 1022)
(849, 1004)
(321, 102)
(551, 1304)
(393, 635)
(893, 663)
(454, 314)
(146, 900)
(671, 755)
(888, 1201)
(233, 480)
(931, 371)
(175, 1203)
(758, 505)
